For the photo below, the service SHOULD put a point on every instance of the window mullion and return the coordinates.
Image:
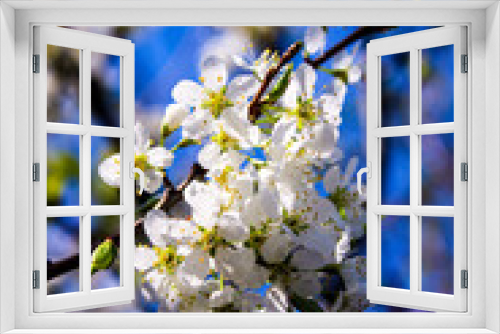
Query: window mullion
(85, 167)
(414, 172)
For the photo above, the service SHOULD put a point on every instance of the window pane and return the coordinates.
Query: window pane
(63, 243)
(395, 255)
(63, 84)
(105, 90)
(437, 254)
(105, 235)
(63, 176)
(437, 169)
(106, 178)
(395, 171)
(395, 89)
(437, 84)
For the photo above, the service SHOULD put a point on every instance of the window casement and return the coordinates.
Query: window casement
(409, 131)
(58, 134)
(481, 243)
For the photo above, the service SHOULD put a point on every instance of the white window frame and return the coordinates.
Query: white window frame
(413, 44)
(483, 21)
(85, 43)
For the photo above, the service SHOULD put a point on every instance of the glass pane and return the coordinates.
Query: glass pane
(437, 254)
(105, 90)
(63, 170)
(63, 243)
(105, 252)
(395, 89)
(395, 171)
(63, 85)
(106, 177)
(396, 252)
(437, 84)
(437, 169)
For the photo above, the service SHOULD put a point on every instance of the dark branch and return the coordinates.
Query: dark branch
(355, 36)
(254, 108)
(171, 196)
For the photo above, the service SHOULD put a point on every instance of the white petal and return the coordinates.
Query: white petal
(332, 180)
(154, 180)
(354, 74)
(232, 228)
(289, 98)
(160, 282)
(196, 264)
(214, 73)
(220, 298)
(269, 202)
(239, 61)
(141, 139)
(233, 158)
(188, 93)
(175, 115)
(306, 77)
(323, 137)
(197, 125)
(144, 258)
(156, 227)
(276, 248)
(315, 39)
(307, 259)
(209, 155)
(160, 157)
(109, 170)
(242, 87)
(349, 171)
(277, 298)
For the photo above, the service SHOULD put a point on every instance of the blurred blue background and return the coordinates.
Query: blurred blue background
(166, 55)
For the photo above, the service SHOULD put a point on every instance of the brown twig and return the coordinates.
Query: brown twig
(254, 108)
(355, 36)
(171, 196)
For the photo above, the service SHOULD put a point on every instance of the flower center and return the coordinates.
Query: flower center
(305, 112)
(225, 141)
(167, 259)
(217, 102)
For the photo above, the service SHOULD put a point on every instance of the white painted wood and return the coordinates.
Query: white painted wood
(418, 129)
(470, 322)
(413, 43)
(492, 186)
(254, 331)
(7, 167)
(77, 129)
(86, 43)
(249, 4)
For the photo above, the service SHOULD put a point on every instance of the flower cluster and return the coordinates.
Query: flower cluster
(257, 234)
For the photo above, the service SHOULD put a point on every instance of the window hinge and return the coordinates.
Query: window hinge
(465, 279)
(465, 63)
(36, 279)
(464, 171)
(36, 172)
(36, 63)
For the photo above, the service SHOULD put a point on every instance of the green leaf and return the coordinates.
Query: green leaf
(281, 86)
(103, 256)
(185, 143)
(267, 131)
(305, 305)
(268, 118)
(337, 73)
